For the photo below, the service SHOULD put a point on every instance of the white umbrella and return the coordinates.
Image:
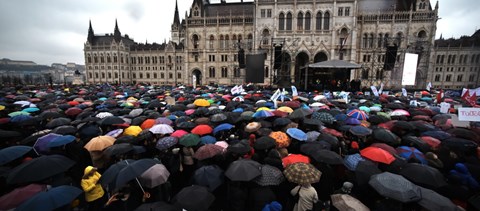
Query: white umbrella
(102, 115)
(161, 129)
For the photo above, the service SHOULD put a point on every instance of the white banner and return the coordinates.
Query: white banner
(429, 85)
(374, 90)
(409, 69)
(444, 107)
(469, 114)
(194, 78)
(381, 88)
(404, 92)
(235, 90)
(294, 91)
(282, 95)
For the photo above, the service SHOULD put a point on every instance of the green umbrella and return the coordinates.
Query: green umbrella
(190, 140)
(16, 113)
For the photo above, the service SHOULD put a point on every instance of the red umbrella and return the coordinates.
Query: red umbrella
(73, 111)
(387, 125)
(433, 142)
(73, 103)
(377, 154)
(19, 195)
(295, 158)
(179, 133)
(202, 130)
(332, 132)
(385, 147)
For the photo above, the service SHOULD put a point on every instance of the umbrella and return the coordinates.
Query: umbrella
(166, 142)
(222, 127)
(326, 156)
(31, 109)
(262, 114)
(154, 176)
(118, 149)
(411, 152)
(263, 143)
(281, 138)
(377, 154)
(360, 130)
(302, 173)
(440, 135)
(364, 170)
(396, 187)
(300, 113)
(325, 117)
(207, 151)
(111, 120)
(194, 198)
(133, 170)
(51, 199)
(459, 144)
(357, 114)
(41, 145)
(202, 130)
(115, 133)
(179, 133)
(243, 170)
(285, 109)
(189, 140)
(252, 127)
(431, 200)
(351, 161)
(102, 115)
(99, 143)
(352, 121)
(297, 134)
(210, 176)
(385, 147)
(431, 141)
(312, 136)
(423, 175)
(201, 103)
(35, 169)
(239, 148)
(161, 129)
(346, 202)
(270, 176)
(133, 130)
(281, 122)
(187, 125)
(11, 153)
(157, 206)
(208, 139)
(57, 122)
(19, 195)
(399, 112)
(163, 120)
(61, 140)
(73, 111)
(65, 130)
(385, 136)
(50, 115)
(16, 113)
(218, 117)
(109, 177)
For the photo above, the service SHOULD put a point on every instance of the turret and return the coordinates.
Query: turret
(91, 35)
(116, 34)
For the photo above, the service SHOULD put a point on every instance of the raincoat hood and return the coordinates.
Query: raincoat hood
(87, 170)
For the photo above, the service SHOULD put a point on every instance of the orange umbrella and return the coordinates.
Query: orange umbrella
(377, 154)
(281, 138)
(295, 158)
(99, 143)
(202, 130)
(147, 124)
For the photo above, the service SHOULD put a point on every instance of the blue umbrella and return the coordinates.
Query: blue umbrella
(222, 127)
(208, 139)
(11, 153)
(297, 134)
(60, 141)
(51, 199)
(341, 117)
(31, 109)
(352, 121)
(351, 161)
(263, 114)
(42, 143)
(210, 176)
(238, 110)
(411, 152)
(20, 118)
(360, 130)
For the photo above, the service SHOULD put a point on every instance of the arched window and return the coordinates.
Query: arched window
(326, 21)
(281, 22)
(380, 41)
(422, 34)
(224, 72)
(289, 21)
(370, 41)
(308, 21)
(318, 21)
(227, 42)
(300, 21)
(437, 77)
(212, 41)
(211, 72)
(448, 78)
(399, 39)
(265, 37)
(365, 40)
(222, 42)
(195, 39)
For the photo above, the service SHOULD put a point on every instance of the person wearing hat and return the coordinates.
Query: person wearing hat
(93, 190)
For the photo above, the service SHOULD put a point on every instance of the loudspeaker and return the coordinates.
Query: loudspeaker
(390, 57)
(241, 58)
(277, 62)
(255, 72)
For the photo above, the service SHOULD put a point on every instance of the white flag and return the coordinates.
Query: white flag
(429, 85)
(404, 92)
(381, 88)
(282, 95)
(234, 90)
(294, 91)
(275, 97)
(194, 79)
(240, 89)
(374, 90)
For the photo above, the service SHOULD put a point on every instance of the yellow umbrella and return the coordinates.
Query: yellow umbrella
(263, 109)
(201, 103)
(99, 143)
(2, 107)
(133, 130)
(285, 109)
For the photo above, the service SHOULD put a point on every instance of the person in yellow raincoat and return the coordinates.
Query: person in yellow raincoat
(94, 194)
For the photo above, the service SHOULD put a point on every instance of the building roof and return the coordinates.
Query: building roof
(230, 9)
(464, 41)
(338, 64)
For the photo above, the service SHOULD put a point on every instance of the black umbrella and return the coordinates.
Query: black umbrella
(264, 142)
(133, 170)
(194, 198)
(138, 120)
(7, 134)
(127, 139)
(332, 140)
(109, 177)
(377, 119)
(218, 118)
(210, 176)
(239, 148)
(431, 200)
(385, 136)
(65, 130)
(281, 122)
(243, 170)
(58, 122)
(365, 169)
(35, 136)
(270, 176)
(465, 134)
(413, 141)
(36, 169)
(300, 113)
(423, 175)
(111, 120)
(186, 125)
(327, 156)
(459, 144)
(396, 187)
(11, 153)
(50, 115)
(158, 206)
(312, 147)
(118, 149)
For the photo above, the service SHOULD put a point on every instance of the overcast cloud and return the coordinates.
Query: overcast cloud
(54, 31)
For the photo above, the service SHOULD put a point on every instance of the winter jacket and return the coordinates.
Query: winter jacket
(93, 189)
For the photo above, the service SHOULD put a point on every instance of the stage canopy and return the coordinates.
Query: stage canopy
(340, 64)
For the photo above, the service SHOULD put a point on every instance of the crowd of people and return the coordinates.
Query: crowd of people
(140, 147)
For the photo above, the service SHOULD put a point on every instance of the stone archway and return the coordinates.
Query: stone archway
(320, 57)
(198, 74)
(301, 61)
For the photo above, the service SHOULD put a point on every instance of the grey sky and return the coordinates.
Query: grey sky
(54, 31)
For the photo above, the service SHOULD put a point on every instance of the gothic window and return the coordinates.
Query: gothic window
(140, 75)
(347, 11)
(459, 78)
(102, 59)
(148, 75)
(422, 34)
(195, 41)
(212, 41)
(162, 75)
(300, 21)
(170, 75)
(365, 74)
(308, 21)
(211, 72)
(437, 77)
(281, 22)
(326, 21)
(222, 42)
(224, 72)
(289, 21)
(477, 60)
(265, 37)
(370, 41)
(179, 75)
(250, 41)
(318, 21)
(340, 11)
(227, 42)
(379, 74)
(196, 12)
(155, 75)
(365, 40)
(471, 78)
(448, 78)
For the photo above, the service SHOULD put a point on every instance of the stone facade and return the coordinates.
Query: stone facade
(205, 44)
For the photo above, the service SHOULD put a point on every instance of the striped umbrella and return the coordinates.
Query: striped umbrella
(357, 114)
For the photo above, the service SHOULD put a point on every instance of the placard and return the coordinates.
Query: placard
(444, 107)
(404, 92)
(469, 114)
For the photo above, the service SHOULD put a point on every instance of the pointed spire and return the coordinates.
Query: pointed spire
(176, 17)
(441, 36)
(436, 5)
(116, 34)
(91, 35)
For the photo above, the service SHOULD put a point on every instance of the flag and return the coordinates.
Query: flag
(429, 85)
(381, 88)
(374, 90)
(470, 99)
(344, 42)
(404, 92)
(440, 96)
(282, 95)
(235, 90)
(294, 91)
(240, 89)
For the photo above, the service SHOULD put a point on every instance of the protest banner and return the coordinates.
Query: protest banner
(469, 114)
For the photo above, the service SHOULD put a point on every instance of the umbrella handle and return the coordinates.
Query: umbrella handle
(138, 182)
